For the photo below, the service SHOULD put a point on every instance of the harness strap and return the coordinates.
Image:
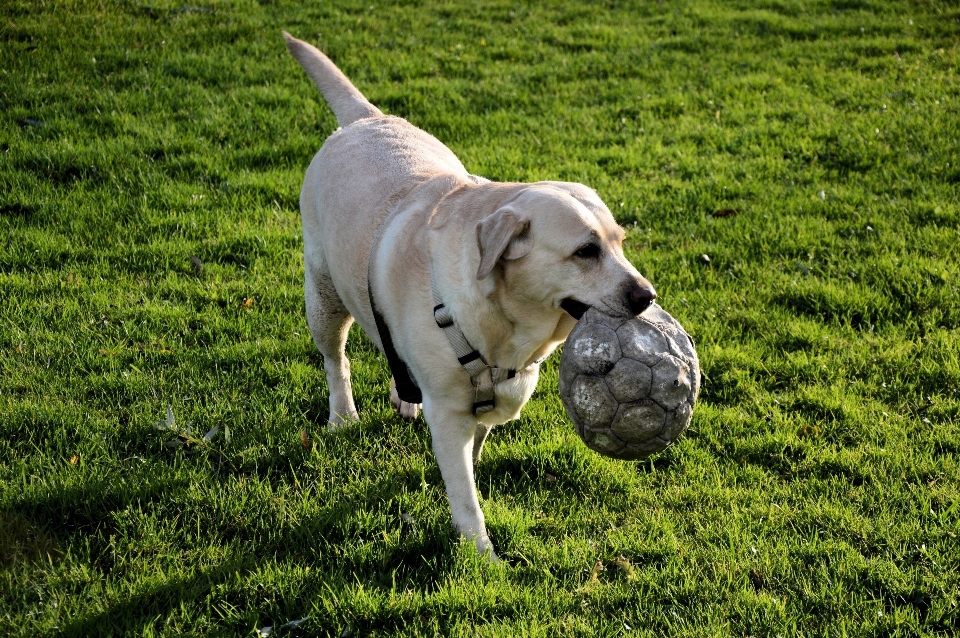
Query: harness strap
(483, 375)
(407, 388)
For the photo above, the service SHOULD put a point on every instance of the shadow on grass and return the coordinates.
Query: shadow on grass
(338, 539)
(128, 616)
(21, 541)
(73, 512)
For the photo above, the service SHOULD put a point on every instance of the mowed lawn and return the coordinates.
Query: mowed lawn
(788, 173)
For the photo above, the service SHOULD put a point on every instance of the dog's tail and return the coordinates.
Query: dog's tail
(347, 102)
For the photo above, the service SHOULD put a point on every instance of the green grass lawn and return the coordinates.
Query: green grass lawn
(151, 154)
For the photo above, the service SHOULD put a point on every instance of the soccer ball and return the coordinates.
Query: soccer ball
(629, 385)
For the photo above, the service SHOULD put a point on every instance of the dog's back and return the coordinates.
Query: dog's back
(363, 169)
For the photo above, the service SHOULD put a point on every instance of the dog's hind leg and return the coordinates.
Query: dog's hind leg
(408, 411)
(478, 439)
(329, 324)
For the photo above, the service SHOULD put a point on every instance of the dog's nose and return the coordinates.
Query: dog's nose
(639, 297)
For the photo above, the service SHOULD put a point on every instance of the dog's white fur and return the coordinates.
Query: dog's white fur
(504, 256)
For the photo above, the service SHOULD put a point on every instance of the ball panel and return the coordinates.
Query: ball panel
(595, 407)
(639, 422)
(636, 451)
(642, 341)
(677, 421)
(681, 346)
(643, 450)
(657, 315)
(595, 349)
(603, 442)
(629, 381)
(671, 383)
(568, 371)
(595, 316)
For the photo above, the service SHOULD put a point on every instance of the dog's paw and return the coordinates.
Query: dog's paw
(408, 411)
(338, 422)
(485, 548)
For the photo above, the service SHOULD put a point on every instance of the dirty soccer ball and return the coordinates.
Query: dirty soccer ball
(629, 385)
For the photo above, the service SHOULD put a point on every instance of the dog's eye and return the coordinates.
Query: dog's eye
(588, 251)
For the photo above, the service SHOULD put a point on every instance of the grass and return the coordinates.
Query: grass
(151, 155)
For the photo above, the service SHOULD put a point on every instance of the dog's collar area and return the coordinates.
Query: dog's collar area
(483, 375)
(574, 308)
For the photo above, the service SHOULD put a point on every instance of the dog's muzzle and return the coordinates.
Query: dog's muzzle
(636, 299)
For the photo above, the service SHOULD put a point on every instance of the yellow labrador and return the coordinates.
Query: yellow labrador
(465, 284)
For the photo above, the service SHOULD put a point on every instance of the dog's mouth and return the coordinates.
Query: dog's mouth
(574, 308)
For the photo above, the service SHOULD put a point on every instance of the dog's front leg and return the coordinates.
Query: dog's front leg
(453, 439)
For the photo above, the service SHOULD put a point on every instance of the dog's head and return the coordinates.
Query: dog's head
(556, 244)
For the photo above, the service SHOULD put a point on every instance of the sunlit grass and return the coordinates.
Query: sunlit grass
(150, 162)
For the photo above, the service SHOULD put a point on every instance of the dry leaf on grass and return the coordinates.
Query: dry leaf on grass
(726, 212)
(625, 567)
(595, 573)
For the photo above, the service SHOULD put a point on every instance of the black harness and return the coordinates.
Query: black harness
(407, 388)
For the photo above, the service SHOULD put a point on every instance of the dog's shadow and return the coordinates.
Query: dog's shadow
(356, 532)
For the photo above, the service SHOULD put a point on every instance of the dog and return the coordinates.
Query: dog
(466, 285)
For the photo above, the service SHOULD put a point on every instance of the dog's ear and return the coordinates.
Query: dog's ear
(501, 235)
